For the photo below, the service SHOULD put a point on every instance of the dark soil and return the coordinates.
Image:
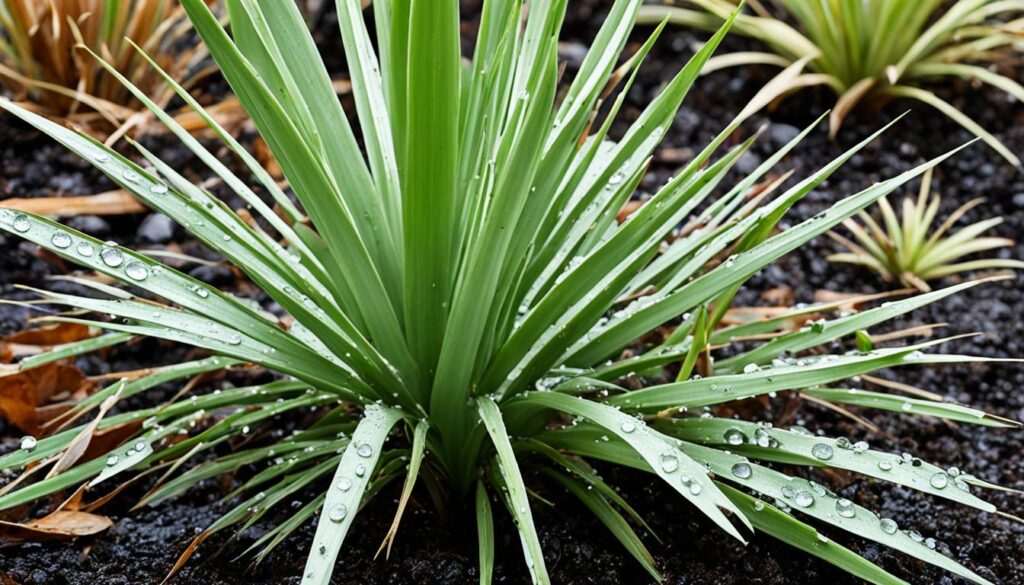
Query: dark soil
(431, 549)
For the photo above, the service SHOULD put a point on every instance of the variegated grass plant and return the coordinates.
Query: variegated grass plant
(874, 49)
(459, 296)
(905, 249)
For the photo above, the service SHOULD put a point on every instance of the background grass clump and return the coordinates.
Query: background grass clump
(41, 63)
(873, 50)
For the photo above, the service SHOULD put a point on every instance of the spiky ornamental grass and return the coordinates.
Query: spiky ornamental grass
(39, 60)
(465, 289)
(873, 49)
(906, 250)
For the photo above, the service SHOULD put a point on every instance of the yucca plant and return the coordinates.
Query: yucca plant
(40, 62)
(460, 295)
(872, 49)
(904, 248)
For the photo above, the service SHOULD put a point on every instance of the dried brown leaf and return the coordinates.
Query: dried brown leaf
(27, 398)
(60, 525)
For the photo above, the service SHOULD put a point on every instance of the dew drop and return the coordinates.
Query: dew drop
(885, 466)
(669, 463)
(136, 270)
(939, 480)
(112, 460)
(628, 426)
(85, 249)
(60, 239)
(804, 499)
(742, 470)
(130, 176)
(338, 513)
(344, 484)
(750, 368)
(845, 508)
(21, 223)
(112, 257)
(234, 339)
(735, 437)
(821, 451)
(100, 156)
(364, 450)
(158, 189)
(140, 446)
(763, 439)
(28, 443)
(695, 489)
(360, 470)
(888, 525)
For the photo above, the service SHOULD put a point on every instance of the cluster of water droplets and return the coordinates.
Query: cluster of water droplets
(669, 464)
(139, 446)
(109, 254)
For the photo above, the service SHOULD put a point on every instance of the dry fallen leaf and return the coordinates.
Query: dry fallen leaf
(80, 444)
(27, 399)
(117, 202)
(33, 341)
(781, 296)
(847, 301)
(60, 525)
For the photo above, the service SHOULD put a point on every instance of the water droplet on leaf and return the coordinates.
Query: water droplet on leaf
(669, 463)
(112, 257)
(60, 239)
(136, 270)
(804, 499)
(21, 223)
(735, 437)
(338, 513)
(822, 451)
(742, 470)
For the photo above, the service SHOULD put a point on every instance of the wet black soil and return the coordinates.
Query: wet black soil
(431, 549)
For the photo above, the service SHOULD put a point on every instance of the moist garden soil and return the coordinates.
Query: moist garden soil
(434, 549)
